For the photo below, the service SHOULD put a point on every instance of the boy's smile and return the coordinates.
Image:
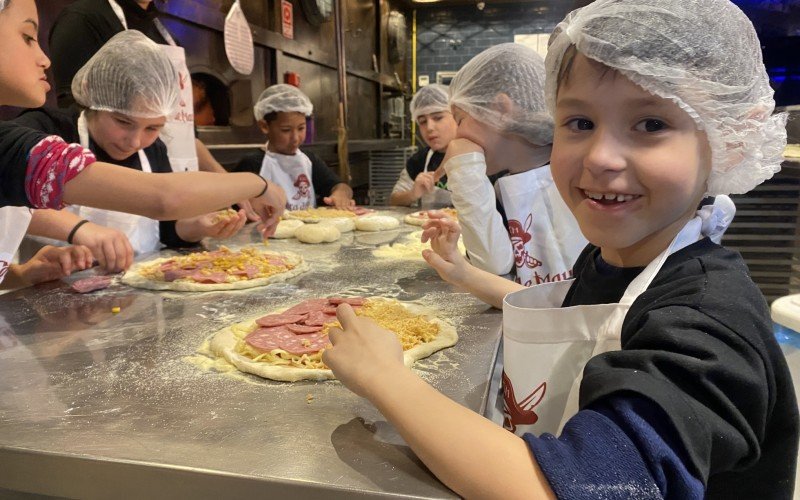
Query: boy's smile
(631, 166)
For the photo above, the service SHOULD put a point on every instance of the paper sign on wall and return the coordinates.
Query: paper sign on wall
(287, 19)
(238, 40)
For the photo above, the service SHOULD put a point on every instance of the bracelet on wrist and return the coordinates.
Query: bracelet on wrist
(266, 186)
(75, 230)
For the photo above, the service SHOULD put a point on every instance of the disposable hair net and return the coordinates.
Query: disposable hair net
(429, 99)
(516, 71)
(702, 54)
(3, 4)
(282, 98)
(131, 75)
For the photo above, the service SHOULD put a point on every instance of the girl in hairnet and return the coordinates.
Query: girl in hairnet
(520, 224)
(431, 111)
(41, 171)
(655, 373)
(124, 95)
(281, 112)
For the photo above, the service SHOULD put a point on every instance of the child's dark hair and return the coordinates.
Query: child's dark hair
(271, 117)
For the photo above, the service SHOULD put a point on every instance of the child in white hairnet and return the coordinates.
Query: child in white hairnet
(655, 373)
(125, 94)
(431, 111)
(520, 223)
(44, 171)
(281, 112)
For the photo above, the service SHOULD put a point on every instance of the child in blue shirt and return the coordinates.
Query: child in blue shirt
(657, 105)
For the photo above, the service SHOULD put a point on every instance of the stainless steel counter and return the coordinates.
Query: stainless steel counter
(96, 404)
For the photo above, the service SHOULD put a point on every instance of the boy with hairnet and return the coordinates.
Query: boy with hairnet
(281, 112)
(659, 371)
(431, 111)
(124, 94)
(520, 224)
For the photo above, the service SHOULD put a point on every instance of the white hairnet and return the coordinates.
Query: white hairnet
(2, 5)
(702, 54)
(516, 71)
(131, 75)
(429, 99)
(282, 98)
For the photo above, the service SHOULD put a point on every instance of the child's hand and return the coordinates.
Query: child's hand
(52, 263)
(269, 207)
(444, 256)
(252, 216)
(362, 352)
(211, 225)
(423, 184)
(340, 200)
(458, 146)
(110, 247)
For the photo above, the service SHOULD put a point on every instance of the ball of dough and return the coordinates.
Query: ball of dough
(343, 224)
(376, 223)
(317, 233)
(286, 229)
(377, 238)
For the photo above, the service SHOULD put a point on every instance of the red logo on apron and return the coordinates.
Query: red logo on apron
(302, 184)
(520, 412)
(520, 236)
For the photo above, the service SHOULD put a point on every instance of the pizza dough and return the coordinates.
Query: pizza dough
(377, 237)
(222, 269)
(343, 224)
(313, 215)
(282, 330)
(421, 217)
(376, 223)
(317, 233)
(286, 229)
(409, 248)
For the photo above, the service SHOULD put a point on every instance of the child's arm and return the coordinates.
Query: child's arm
(411, 191)
(485, 236)
(110, 247)
(467, 452)
(445, 258)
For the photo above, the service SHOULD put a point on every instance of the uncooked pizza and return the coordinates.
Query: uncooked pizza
(222, 269)
(421, 217)
(318, 214)
(287, 345)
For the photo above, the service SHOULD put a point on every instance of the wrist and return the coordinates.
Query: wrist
(388, 383)
(265, 187)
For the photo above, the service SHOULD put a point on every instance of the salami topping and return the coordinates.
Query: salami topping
(318, 318)
(307, 306)
(176, 274)
(303, 329)
(304, 344)
(87, 285)
(218, 277)
(268, 339)
(353, 301)
(280, 319)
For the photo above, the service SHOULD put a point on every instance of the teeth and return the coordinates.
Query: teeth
(610, 196)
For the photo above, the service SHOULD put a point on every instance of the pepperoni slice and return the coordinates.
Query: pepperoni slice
(331, 310)
(318, 318)
(218, 277)
(307, 306)
(268, 339)
(280, 319)
(353, 301)
(304, 344)
(91, 284)
(303, 329)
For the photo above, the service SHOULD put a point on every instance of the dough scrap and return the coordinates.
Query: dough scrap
(376, 223)
(317, 233)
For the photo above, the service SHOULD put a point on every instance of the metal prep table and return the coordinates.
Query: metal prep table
(96, 404)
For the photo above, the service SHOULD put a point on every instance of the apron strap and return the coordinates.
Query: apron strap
(711, 221)
(117, 8)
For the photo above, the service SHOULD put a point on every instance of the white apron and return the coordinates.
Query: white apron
(14, 223)
(545, 346)
(143, 232)
(439, 197)
(178, 132)
(293, 174)
(544, 233)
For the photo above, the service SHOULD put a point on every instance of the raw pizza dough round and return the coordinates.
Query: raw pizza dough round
(223, 344)
(421, 217)
(317, 233)
(286, 229)
(376, 223)
(377, 238)
(314, 215)
(134, 278)
(343, 224)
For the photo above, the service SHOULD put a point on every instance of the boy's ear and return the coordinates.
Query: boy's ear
(264, 126)
(503, 104)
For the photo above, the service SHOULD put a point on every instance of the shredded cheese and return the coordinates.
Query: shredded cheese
(224, 260)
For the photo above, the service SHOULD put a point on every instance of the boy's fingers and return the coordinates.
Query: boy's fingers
(333, 335)
(345, 315)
